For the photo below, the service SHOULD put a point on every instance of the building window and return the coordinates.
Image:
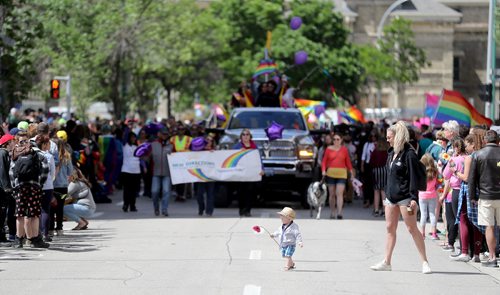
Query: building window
(456, 69)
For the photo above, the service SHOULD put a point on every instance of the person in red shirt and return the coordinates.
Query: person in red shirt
(334, 166)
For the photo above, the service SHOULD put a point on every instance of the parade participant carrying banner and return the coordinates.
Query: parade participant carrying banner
(227, 165)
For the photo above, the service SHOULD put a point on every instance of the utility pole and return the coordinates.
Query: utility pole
(68, 93)
(489, 107)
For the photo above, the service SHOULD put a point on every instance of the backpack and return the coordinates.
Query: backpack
(27, 167)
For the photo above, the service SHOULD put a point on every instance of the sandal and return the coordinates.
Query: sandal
(81, 227)
(290, 267)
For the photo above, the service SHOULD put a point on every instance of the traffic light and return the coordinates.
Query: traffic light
(54, 89)
(485, 92)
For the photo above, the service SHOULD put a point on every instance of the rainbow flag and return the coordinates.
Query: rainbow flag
(355, 114)
(300, 102)
(266, 66)
(453, 106)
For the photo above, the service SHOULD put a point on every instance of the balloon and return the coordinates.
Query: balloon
(153, 128)
(300, 57)
(318, 110)
(143, 150)
(275, 131)
(198, 144)
(295, 23)
(221, 117)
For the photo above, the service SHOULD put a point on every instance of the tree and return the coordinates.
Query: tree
(322, 35)
(19, 31)
(407, 58)
(179, 46)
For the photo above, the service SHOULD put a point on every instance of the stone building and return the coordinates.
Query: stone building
(453, 34)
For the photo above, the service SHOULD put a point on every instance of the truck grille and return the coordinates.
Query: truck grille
(276, 149)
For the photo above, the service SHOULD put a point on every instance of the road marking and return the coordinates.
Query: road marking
(255, 255)
(97, 214)
(119, 204)
(251, 290)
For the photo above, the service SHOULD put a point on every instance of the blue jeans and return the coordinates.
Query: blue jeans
(164, 183)
(209, 189)
(76, 211)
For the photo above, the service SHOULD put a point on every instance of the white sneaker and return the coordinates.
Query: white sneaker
(381, 266)
(426, 269)
(461, 257)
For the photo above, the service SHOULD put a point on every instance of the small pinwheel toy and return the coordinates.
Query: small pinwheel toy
(258, 229)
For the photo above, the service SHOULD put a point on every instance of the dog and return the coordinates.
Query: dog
(316, 197)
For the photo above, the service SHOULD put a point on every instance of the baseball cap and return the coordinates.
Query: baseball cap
(14, 131)
(62, 135)
(5, 138)
(23, 125)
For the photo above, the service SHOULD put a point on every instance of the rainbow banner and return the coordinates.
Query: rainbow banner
(300, 102)
(223, 165)
(453, 106)
(266, 66)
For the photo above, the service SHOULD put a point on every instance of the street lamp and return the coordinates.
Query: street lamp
(389, 10)
(380, 29)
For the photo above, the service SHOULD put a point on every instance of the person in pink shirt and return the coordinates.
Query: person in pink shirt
(455, 163)
(428, 199)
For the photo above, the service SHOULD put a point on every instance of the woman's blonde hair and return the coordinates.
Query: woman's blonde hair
(401, 135)
(78, 176)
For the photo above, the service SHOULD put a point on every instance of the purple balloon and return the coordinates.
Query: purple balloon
(143, 150)
(295, 23)
(300, 57)
(221, 117)
(318, 110)
(153, 128)
(275, 131)
(198, 144)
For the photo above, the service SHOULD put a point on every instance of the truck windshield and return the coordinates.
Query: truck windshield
(262, 120)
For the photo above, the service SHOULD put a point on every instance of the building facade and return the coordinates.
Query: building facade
(453, 34)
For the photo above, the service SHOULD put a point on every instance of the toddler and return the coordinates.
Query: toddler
(288, 235)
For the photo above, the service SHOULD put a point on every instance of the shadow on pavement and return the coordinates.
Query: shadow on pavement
(189, 209)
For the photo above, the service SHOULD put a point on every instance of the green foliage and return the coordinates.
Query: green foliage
(322, 35)
(130, 51)
(377, 65)
(19, 31)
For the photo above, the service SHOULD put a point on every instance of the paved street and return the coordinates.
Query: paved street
(137, 253)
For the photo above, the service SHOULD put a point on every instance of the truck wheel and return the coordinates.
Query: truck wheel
(223, 198)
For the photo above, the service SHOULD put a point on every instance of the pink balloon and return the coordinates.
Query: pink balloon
(295, 23)
(300, 57)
